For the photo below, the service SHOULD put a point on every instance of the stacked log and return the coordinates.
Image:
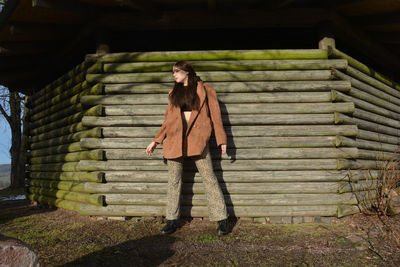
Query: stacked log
(286, 155)
(53, 129)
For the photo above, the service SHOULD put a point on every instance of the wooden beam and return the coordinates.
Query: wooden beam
(70, 6)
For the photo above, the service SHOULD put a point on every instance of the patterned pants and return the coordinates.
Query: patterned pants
(215, 199)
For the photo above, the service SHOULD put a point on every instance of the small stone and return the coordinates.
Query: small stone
(287, 220)
(14, 252)
(260, 220)
(297, 219)
(317, 219)
(116, 218)
(246, 219)
(308, 219)
(326, 219)
(275, 219)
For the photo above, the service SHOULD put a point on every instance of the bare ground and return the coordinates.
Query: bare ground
(63, 238)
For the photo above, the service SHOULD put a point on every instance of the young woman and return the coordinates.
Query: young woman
(192, 113)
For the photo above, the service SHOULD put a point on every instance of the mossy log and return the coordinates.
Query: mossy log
(96, 154)
(69, 129)
(236, 199)
(271, 108)
(366, 125)
(61, 136)
(60, 203)
(226, 98)
(67, 76)
(238, 165)
(256, 119)
(236, 142)
(367, 88)
(72, 147)
(333, 52)
(46, 108)
(56, 167)
(379, 146)
(174, 56)
(200, 211)
(95, 177)
(243, 154)
(373, 82)
(382, 138)
(345, 210)
(94, 199)
(237, 176)
(229, 65)
(61, 114)
(345, 164)
(97, 67)
(238, 131)
(369, 116)
(337, 96)
(215, 76)
(39, 126)
(62, 185)
(234, 87)
(374, 100)
(62, 92)
(379, 155)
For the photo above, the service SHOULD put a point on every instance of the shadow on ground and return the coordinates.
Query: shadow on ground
(147, 251)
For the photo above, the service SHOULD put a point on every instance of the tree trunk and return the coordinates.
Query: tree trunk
(17, 158)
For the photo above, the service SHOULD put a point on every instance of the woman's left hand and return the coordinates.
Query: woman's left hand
(223, 149)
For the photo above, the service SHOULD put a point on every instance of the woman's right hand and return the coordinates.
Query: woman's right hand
(150, 148)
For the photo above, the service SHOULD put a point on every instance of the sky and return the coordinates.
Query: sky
(5, 141)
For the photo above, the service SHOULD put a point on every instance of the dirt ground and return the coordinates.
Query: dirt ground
(63, 238)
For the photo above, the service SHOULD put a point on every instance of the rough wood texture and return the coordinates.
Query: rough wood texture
(234, 87)
(233, 65)
(225, 98)
(369, 116)
(96, 154)
(157, 77)
(174, 56)
(373, 100)
(95, 177)
(69, 129)
(73, 147)
(239, 131)
(60, 203)
(378, 146)
(378, 137)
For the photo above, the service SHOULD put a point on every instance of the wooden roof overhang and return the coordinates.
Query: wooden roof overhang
(42, 39)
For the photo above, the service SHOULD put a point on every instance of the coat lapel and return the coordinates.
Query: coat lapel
(201, 92)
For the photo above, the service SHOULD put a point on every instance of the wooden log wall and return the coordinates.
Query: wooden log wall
(53, 128)
(295, 119)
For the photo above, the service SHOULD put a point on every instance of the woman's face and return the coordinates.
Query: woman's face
(180, 76)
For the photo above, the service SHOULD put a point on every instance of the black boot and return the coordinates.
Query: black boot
(170, 227)
(223, 227)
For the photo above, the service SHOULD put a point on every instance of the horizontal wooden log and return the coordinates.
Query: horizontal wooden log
(379, 146)
(256, 119)
(337, 96)
(346, 210)
(60, 203)
(354, 92)
(238, 176)
(363, 186)
(67, 130)
(345, 164)
(210, 55)
(95, 177)
(333, 52)
(234, 87)
(47, 108)
(367, 88)
(56, 167)
(232, 65)
(97, 67)
(73, 147)
(236, 199)
(225, 98)
(378, 155)
(243, 154)
(366, 125)
(61, 185)
(236, 142)
(270, 108)
(62, 113)
(216, 76)
(199, 211)
(369, 116)
(238, 165)
(96, 154)
(238, 131)
(94, 199)
(62, 92)
(38, 127)
(373, 82)
(378, 137)
(56, 137)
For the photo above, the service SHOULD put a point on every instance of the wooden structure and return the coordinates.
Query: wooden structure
(297, 121)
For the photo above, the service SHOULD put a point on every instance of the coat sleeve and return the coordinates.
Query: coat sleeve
(215, 114)
(160, 136)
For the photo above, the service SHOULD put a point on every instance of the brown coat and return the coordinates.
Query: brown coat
(199, 128)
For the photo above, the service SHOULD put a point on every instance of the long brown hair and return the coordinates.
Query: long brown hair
(182, 95)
